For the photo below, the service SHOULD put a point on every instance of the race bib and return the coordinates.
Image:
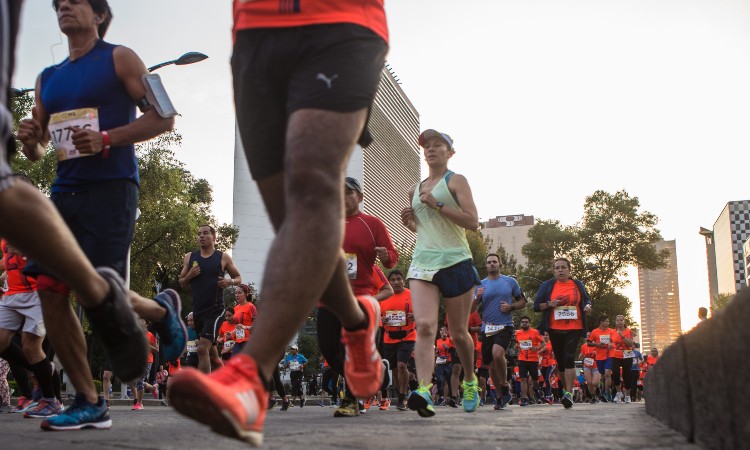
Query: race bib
(628, 354)
(61, 130)
(525, 345)
(490, 329)
(240, 333)
(566, 313)
(294, 365)
(604, 339)
(351, 265)
(395, 318)
(441, 360)
(192, 347)
(421, 274)
(228, 344)
(588, 362)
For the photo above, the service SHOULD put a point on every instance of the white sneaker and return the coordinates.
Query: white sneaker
(618, 397)
(627, 399)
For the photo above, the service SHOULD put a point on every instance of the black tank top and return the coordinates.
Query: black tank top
(207, 294)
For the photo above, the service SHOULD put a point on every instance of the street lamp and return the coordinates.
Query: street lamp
(187, 58)
(15, 92)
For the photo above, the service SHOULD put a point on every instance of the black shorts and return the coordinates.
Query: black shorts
(501, 338)
(400, 352)
(207, 323)
(276, 71)
(528, 369)
(565, 347)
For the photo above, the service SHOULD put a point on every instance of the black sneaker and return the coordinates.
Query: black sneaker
(302, 403)
(284, 406)
(452, 403)
(271, 403)
(117, 325)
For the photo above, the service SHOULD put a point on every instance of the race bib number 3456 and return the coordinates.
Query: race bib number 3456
(62, 125)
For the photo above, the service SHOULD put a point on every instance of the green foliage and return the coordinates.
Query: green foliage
(611, 237)
(308, 347)
(479, 245)
(720, 302)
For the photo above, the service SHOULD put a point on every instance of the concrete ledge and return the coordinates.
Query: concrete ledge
(697, 386)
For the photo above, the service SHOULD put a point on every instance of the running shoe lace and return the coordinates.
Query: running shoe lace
(471, 391)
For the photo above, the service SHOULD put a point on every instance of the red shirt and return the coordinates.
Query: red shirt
(14, 264)
(294, 13)
(397, 309)
(363, 233)
(548, 357)
(570, 297)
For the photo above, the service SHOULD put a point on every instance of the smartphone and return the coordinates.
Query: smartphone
(157, 95)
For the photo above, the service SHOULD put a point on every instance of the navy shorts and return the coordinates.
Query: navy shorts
(102, 220)
(604, 364)
(456, 279)
(207, 323)
(276, 71)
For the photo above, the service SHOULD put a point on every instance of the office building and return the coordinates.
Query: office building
(660, 302)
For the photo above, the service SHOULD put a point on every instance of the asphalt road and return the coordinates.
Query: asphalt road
(612, 426)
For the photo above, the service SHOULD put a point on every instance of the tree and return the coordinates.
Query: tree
(720, 302)
(173, 204)
(612, 236)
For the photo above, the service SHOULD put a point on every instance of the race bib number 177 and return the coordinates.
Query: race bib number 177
(62, 125)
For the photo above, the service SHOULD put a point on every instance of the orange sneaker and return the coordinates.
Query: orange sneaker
(231, 400)
(363, 370)
(384, 404)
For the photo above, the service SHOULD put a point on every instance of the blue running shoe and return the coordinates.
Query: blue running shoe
(80, 414)
(471, 395)
(45, 408)
(421, 401)
(171, 328)
(506, 396)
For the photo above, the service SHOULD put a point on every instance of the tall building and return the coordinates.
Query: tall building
(660, 302)
(512, 232)
(724, 249)
(387, 169)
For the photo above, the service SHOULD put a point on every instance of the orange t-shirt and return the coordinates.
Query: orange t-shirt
(443, 347)
(14, 264)
(245, 315)
(475, 321)
(548, 357)
(152, 341)
(651, 360)
(588, 355)
(619, 343)
(570, 306)
(295, 13)
(225, 328)
(394, 310)
(599, 336)
(172, 368)
(526, 340)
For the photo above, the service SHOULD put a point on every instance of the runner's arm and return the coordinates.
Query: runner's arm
(130, 69)
(231, 270)
(407, 214)
(467, 216)
(33, 133)
(185, 274)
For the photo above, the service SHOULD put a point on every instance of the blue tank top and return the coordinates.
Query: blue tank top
(91, 82)
(207, 294)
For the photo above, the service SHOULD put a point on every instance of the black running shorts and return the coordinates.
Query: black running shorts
(333, 67)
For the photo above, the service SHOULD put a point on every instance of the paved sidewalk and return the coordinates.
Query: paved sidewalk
(314, 427)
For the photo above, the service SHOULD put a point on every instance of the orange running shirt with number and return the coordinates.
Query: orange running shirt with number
(569, 295)
(533, 337)
(619, 343)
(295, 13)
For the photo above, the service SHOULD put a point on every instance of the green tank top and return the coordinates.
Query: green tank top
(440, 242)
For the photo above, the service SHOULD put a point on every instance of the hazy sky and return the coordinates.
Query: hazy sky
(547, 101)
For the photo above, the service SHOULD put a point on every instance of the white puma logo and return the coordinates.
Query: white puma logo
(327, 80)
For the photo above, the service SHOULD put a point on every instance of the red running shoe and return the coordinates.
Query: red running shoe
(231, 400)
(363, 370)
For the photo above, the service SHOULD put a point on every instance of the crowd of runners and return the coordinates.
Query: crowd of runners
(298, 124)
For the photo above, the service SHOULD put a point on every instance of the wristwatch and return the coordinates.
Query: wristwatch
(439, 206)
